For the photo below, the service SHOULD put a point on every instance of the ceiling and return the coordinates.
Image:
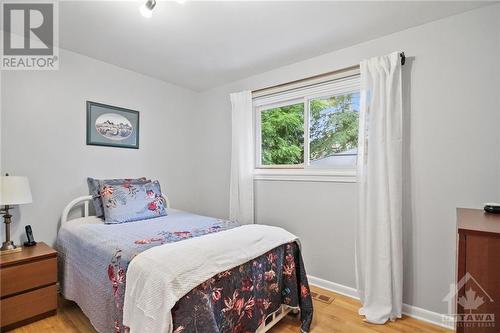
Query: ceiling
(200, 45)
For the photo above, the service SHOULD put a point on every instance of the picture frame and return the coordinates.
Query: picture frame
(112, 126)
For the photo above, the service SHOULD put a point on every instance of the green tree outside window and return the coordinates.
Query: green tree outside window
(283, 135)
(333, 129)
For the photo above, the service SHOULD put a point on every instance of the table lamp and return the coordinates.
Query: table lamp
(14, 190)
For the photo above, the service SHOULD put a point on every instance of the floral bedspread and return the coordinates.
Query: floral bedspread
(240, 299)
(93, 260)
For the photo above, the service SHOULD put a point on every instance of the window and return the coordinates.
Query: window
(333, 130)
(282, 135)
(309, 131)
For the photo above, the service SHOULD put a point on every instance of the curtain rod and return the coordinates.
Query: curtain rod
(403, 61)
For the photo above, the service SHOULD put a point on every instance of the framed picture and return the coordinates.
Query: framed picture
(112, 126)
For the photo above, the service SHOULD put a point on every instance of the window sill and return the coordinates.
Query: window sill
(306, 175)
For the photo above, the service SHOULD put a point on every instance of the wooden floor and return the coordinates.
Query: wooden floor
(338, 317)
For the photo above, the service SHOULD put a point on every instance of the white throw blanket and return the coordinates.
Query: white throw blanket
(157, 278)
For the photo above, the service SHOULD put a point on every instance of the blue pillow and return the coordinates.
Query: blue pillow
(95, 185)
(129, 202)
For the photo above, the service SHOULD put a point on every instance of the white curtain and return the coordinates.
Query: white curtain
(379, 254)
(242, 159)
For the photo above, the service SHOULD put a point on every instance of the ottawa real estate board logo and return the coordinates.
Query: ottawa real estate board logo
(473, 306)
(30, 33)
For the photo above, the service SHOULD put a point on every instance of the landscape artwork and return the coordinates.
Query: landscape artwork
(112, 126)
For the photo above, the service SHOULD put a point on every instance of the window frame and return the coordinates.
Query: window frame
(339, 85)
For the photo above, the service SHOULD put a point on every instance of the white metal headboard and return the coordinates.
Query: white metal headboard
(85, 200)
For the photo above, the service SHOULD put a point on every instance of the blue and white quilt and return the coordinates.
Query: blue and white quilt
(93, 258)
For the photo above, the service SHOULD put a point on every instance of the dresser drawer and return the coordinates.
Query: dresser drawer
(21, 277)
(28, 305)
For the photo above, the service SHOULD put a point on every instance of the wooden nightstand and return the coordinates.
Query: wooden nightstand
(28, 289)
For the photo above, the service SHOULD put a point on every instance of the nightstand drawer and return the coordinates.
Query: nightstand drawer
(28, 305)
(21, 277)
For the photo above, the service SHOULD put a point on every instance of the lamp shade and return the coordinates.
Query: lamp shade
(14, 190)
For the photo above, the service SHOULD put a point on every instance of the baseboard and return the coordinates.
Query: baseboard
(332, 286)
(409, 310)
(428, 316)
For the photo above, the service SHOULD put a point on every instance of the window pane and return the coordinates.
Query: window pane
(333, 130)
(282, 135)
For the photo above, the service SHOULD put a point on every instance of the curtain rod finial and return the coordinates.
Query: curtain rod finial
(403, 58)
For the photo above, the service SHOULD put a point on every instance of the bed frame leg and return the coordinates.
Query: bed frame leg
(275, 317)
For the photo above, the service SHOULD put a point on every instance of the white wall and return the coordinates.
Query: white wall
(453, 76)
(43, 135)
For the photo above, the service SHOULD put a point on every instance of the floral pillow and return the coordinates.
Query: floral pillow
(129, 202)
(96, 184)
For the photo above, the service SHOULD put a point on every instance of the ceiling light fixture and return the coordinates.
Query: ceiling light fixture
(147, 9)
(181, 1)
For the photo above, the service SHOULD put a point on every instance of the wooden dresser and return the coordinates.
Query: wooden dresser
(478, 270)
(28, 285)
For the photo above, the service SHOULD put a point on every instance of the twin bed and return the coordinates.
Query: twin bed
(253, 277)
